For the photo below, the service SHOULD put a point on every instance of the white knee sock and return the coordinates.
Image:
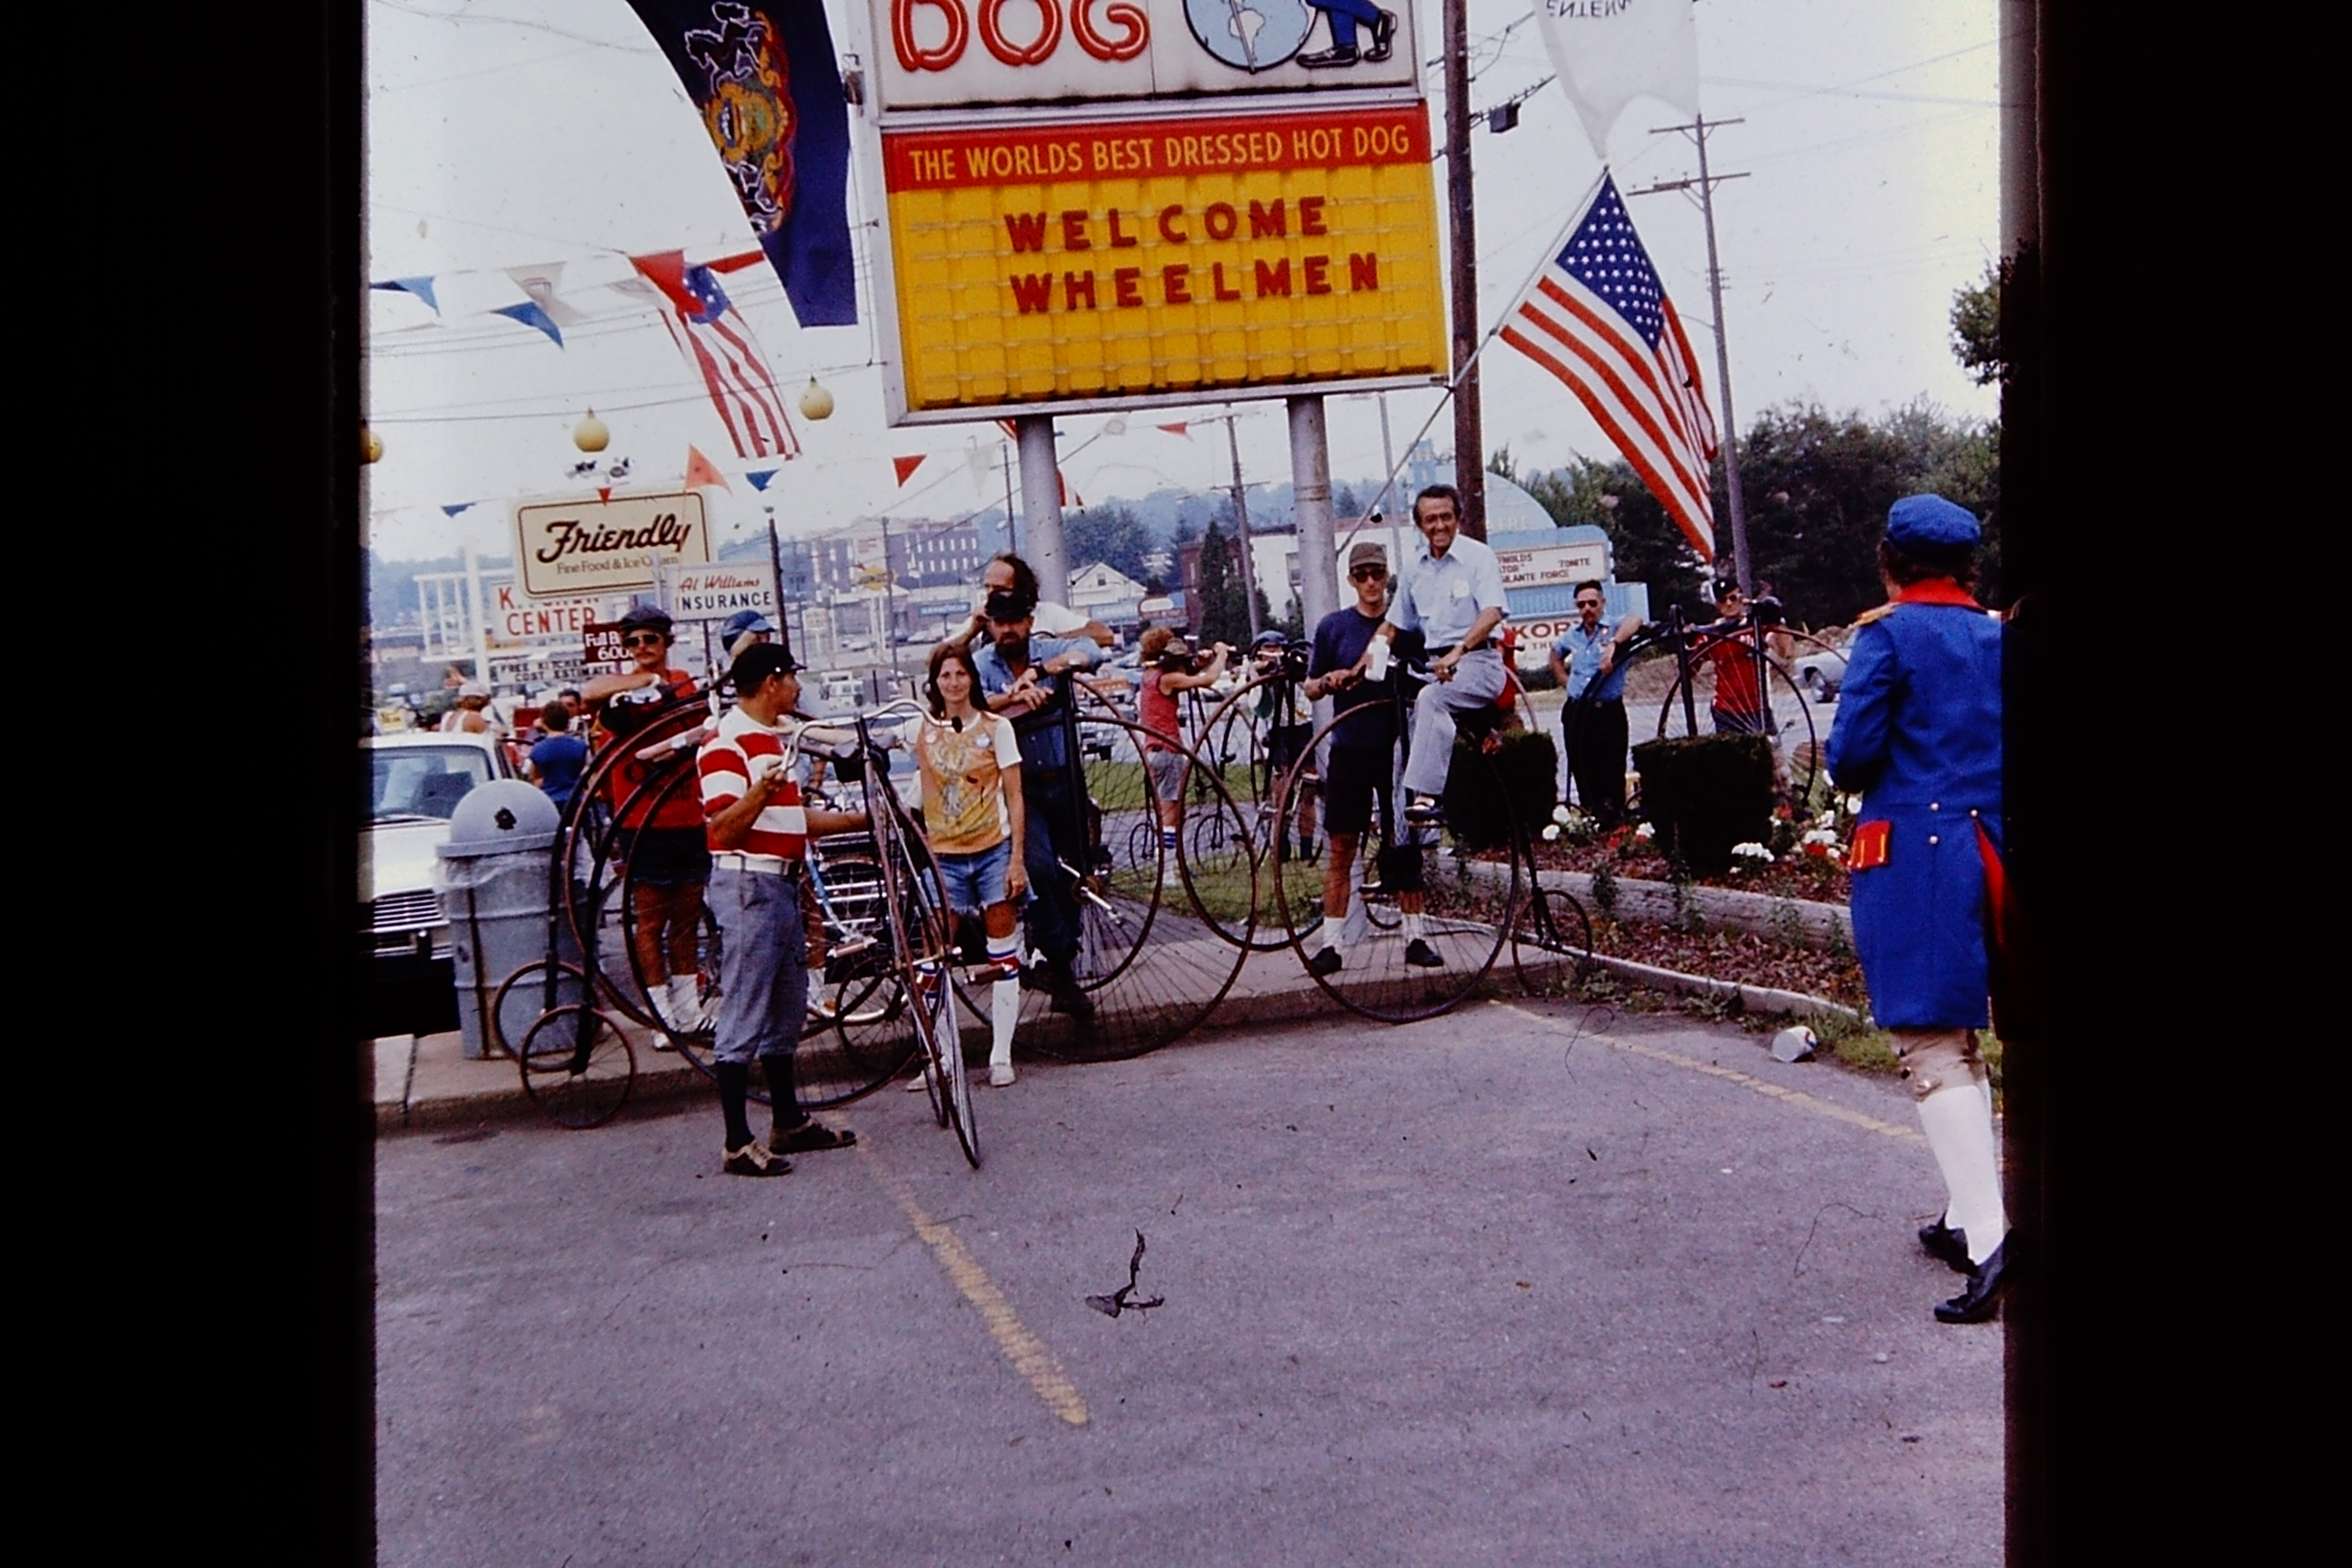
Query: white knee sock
(1413, 928)
(1004, 1002)
(1957, 1121)
(1334, 933)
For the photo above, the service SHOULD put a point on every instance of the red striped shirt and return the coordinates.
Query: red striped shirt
(727, 763)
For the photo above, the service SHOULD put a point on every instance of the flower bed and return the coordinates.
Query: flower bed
(1798, 863)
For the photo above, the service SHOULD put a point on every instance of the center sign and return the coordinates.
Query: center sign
(1123, 204)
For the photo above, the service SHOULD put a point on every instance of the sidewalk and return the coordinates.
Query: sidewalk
(422, 1082)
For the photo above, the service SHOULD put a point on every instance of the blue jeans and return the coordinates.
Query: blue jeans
(762, 964)
(976, 880)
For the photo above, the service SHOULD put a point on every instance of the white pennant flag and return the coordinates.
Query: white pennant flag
(1610, 52)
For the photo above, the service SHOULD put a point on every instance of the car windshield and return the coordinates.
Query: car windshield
(424, 781)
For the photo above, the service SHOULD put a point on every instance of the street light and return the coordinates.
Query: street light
(590, 435)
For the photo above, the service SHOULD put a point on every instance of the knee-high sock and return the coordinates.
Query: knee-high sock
(1957, 1121)
(783, 1102)
(734, 1093)
(1004, 1001)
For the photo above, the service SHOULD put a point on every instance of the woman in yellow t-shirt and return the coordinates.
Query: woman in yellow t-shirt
(971, 765)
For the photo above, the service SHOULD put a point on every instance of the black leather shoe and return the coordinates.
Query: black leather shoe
(1324, 964)
(1328, 57)
(1421, 956)
(1383, 39)
(1947, 1246)
(1982, 1297)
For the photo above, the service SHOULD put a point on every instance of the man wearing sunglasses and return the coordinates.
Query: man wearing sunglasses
(1362, 763)
(1592, 725)
(669, 858)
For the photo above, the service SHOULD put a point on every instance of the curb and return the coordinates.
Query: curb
(1752, 998)
(1728, 908)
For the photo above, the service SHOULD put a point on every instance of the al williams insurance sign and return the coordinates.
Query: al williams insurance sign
(565, 549)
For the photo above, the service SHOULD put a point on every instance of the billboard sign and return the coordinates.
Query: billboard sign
(1546, 566)
(714, 593)
(958, 54)
(1098, 206)
(516, 619)
(591, 547)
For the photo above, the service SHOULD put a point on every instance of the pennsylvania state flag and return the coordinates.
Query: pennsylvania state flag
(767, 84)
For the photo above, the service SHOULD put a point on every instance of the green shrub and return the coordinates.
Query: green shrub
(1704, 794)
(1526, 767)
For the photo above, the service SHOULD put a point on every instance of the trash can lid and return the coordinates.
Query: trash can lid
(503, 816)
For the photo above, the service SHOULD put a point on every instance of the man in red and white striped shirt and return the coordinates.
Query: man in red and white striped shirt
(759, 833)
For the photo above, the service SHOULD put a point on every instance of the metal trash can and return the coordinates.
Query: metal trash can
(493, 876)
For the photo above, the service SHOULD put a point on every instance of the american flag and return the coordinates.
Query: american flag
(1597, 318)
(717, 340)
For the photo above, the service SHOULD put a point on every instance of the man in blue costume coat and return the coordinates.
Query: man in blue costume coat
(1918, 732)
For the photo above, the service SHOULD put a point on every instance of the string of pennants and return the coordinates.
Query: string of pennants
(712, 335)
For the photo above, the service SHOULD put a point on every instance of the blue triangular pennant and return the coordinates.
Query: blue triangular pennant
(758, 476)
(531, 315)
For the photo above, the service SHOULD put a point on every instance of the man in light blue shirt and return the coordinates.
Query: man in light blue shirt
(1593, 722)
(1452, 595)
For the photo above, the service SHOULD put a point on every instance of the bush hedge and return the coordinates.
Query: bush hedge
(1704, 794)
(1526, 770)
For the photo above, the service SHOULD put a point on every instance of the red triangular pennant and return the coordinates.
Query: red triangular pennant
(603, 492)
(1172, 429)
(666, 270)
(905, 465)
(699, 472)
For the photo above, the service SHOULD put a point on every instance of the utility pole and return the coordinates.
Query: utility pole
(1241, 521)
(783, 604)
(1011, 538)
(1041, 507)
(1469, 442)
(1696, 130)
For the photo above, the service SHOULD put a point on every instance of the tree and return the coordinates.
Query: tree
(1225, 608)
(1817, 488)
(1111, 534)
(1976, 325)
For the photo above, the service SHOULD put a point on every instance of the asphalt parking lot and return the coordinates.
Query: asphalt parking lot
(1527, 1283)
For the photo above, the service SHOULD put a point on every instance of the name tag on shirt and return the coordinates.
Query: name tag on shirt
(1462, 589)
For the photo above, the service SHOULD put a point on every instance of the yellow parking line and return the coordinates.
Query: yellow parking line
(1797, 1098)
(1027, 1353)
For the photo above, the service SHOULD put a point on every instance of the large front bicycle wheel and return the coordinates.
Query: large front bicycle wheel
(1162, 936)
(1428, 906)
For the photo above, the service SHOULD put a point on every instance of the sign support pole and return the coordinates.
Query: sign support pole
(1041, 507)
(1310, 506)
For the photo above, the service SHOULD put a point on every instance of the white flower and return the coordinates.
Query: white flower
(1752, 851)
(1562, 814)
(1551, 832)
(1645, 833)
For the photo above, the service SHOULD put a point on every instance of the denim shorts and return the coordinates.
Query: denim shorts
(975, 881)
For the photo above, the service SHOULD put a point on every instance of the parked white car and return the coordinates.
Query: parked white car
(415, 782)
(1821, 672)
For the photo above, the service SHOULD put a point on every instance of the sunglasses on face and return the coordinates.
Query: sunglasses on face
(1588, 604)
(642, 639)
(1372, 574)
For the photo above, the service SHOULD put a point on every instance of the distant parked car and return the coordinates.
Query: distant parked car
(415, 782)
(1821, 672)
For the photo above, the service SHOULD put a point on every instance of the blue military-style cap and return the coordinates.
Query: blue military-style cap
(1933, 522)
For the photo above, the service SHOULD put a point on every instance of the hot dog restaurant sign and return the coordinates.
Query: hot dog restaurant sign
(590, 546)
(1122, 204)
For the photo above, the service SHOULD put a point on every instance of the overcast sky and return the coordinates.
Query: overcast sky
(511, 132)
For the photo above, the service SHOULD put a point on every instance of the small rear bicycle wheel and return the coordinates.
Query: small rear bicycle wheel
(539, 987)
(1552, 941)
(577, 1066)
